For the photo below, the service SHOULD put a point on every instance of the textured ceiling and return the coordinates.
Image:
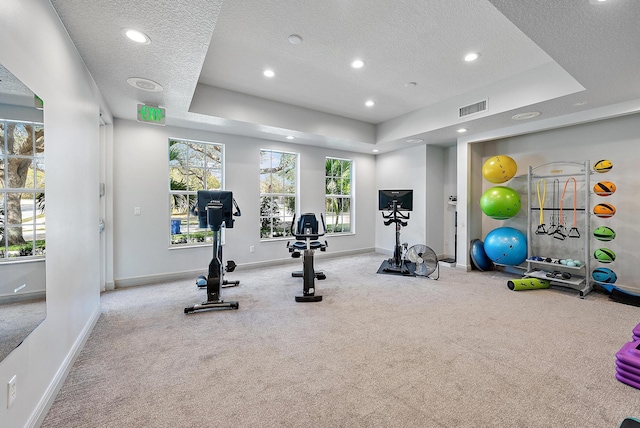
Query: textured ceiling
(598, 44)
(180, 32)
(591, 49)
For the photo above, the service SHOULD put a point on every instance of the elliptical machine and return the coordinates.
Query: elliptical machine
(307, 235)
(215, 209)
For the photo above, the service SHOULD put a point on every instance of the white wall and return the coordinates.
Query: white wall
(36, 49)
(218, 102)
(27, 277)
(449, 189)
(430, 172)
(403, 169)
(27, 114)
(469, 188)
(550, 80)
(435, 198)
(615, 139)
(141, 243)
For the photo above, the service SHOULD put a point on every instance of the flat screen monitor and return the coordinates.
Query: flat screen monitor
(222, 197)
(402, 198)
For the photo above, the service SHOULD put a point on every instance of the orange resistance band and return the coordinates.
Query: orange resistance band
(575, 190)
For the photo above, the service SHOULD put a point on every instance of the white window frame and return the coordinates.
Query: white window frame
(335, 195)
(287, 217)
(190, 234)
(38, 218)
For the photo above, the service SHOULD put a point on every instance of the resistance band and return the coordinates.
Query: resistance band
(573, 232)
(554, 214)
(541, 198)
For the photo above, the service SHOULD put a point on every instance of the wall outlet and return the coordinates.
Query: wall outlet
(252, 249)
(136, 210)
(11, 391)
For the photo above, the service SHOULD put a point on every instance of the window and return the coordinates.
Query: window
(193, 166)
(22, 217)
(278, 193)
(338, 175)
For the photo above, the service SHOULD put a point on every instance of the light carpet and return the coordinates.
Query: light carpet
(378, 351)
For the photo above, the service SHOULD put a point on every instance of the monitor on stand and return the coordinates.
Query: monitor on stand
(391, 200)
(223, 199)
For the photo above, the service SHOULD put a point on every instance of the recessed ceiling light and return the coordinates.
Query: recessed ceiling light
(415, 140)
(144, 84)
(369, 103)
(462, 130)
(294, 39)
(269, 73)
(597, 1)
(358, 63)
(136, 36)
(471, 56)
(375, 150)
(525, 116)
(579, 103)
(290, 137)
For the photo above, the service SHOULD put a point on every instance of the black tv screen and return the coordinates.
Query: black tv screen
(403, 200)
(222, 197)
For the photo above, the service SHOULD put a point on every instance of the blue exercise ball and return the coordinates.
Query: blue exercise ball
(506, 246)
(479, 257)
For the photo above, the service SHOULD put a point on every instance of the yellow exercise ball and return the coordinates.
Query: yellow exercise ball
(499, 169)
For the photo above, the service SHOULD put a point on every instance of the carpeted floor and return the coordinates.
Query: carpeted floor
(17, 321)
(378, 351)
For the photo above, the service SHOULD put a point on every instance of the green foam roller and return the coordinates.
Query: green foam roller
(527, 284)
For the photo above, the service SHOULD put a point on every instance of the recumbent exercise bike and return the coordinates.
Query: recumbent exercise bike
(215, 209)
(307, 234)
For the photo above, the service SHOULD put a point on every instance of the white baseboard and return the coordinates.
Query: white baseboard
(317, 255)
(15, 298)
(41, 410)
(466, 268)
(384, 251)
(163, 277)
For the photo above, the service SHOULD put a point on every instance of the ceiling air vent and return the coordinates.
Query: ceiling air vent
(473, 108)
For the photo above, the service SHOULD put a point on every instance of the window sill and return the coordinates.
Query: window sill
(289, 238)
(185, 246)
(18, 260)
(279, 239)
(335, 235)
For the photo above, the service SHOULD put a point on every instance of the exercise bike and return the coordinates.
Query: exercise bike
(215, 210)
(307, 234)
(394, 202)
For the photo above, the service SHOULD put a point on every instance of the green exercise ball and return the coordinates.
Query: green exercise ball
(500, 202)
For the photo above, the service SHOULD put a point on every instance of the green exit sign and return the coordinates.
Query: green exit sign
(151, 114)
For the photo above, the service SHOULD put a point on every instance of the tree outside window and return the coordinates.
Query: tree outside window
(278, 193)
(338, 196)
(193, 166)
(22, 177)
